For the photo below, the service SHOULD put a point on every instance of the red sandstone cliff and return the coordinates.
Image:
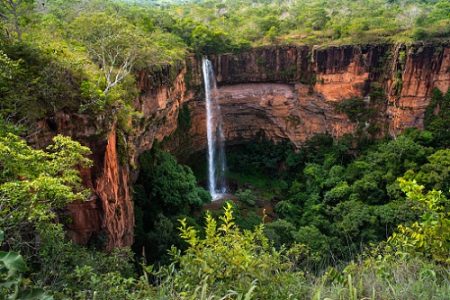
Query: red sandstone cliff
(109, 211)
(425, 67)
(291, 92)
(282, 92)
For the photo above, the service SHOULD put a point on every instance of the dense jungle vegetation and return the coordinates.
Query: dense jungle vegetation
(354, 218)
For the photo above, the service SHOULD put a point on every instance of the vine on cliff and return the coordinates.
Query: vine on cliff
(437, 117)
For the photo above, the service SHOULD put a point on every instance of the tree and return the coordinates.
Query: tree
(165, 191)
(12, 285)
(409, 15)
(435, 174)
(8, 67)
(113, 43)
(207, 40)
(9, 70)
(41, 78)
(13, 11)
(34, 184)
(437, 117)
(172, 185)
(430, 235)
(227, 258)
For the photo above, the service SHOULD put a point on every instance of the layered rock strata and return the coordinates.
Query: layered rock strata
(281, 92)
(291, 92)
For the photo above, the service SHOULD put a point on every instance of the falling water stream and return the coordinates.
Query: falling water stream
(216, 146)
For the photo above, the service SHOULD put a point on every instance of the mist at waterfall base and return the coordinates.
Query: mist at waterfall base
(216, 145)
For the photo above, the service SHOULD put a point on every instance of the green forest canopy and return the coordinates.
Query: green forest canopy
(383, 205)
(85, 51)
(230, 24)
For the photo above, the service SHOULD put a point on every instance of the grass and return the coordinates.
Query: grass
(401, 280)
(413, 279)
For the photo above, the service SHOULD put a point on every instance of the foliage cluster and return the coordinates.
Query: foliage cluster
(430, 235)
(343, 195)
(437, 119)
(227, 258)
(165, 191)
(333, 198)
(229, 25)
(34, 184)
(222, 260)
(77, 56)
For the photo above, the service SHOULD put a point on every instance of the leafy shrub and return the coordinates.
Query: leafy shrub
(12, 284)
(165, 191)
(280, 232)
(437, 118)
(34, 184)
(434, 174)
(430, 236)
(228, 258)
(246, 197)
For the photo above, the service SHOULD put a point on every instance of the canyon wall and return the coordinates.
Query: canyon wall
(292, 93)
(415, 72)
(280, 92)
(108, 215)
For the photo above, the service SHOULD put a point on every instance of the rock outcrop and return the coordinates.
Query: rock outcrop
(281, 92)
(415, 72)
(112, 189)
(273, 110)
(291, 92)
(108, 215)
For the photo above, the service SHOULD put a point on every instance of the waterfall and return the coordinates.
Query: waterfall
(216, 145)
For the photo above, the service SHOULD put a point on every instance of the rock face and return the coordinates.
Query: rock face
(292, 92)
(114, 194)
(273, 110)
(415, 72)
(283, 93)
(109, 212)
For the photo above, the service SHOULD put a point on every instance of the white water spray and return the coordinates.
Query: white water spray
(216, 147)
